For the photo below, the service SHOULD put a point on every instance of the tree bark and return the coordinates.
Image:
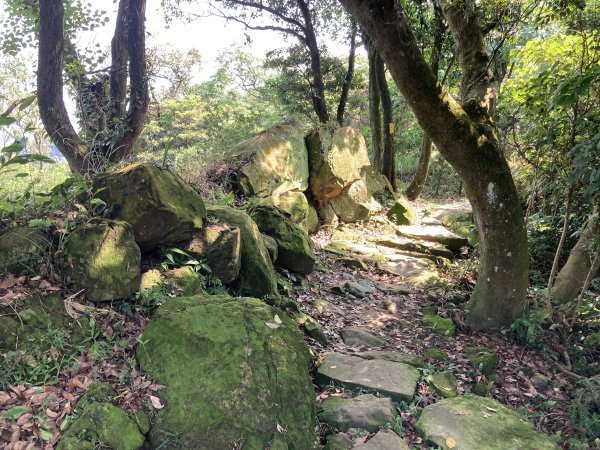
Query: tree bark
(467, 138)
(119, 59)
(374, 107)
(571, 277)
(348, 78)
(50, 87)
(389, 157)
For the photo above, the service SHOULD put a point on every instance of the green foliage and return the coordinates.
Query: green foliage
(530, 327)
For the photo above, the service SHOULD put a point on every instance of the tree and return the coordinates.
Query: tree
(467, 137)
(119, 118)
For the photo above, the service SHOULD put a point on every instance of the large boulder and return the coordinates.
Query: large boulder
(336, 159)
(221, 247)
(159, 205)
(104, 260)
(402, 212)
(257, 276)
(294, 247)
(295, 204)
(355, 203)
(473, 423)
(235, 372)
(21, 248)
(363, 411)
(272, 163)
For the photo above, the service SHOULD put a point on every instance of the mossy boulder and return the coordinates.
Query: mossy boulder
(336, 159)
(473, 423)
(312, 220)
(402, 212)
(294, 204)
(104, 260)
(233, 373)
(384, 440)
(444, 383)
(312, 328)
(272, 247)
(355, 203)
(294, 246)
(21, 249)
(102, 424)
(363, 411)
(482, 359)
(159, 205)
(338, 441)
(220, 247)
(441, 325)
(257, 276)
(271, 163)
(437, 355)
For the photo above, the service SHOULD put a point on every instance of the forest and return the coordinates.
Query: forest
(300, 224)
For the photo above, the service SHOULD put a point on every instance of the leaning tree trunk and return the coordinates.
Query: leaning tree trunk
(389, 159)
(341, 110)
(571, 278)
(374, 107)
(466, 136)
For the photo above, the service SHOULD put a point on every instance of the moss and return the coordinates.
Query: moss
(105, 260)
(312, 327)
(257, 276)
(228, 377)
(97, 392)
(102, 423)
(21, 249)
(440, 325)
(402, 212)
(293, 244)
(159, 205)
(186, 279)
(338, 441)
(437, 355)
(444, 383)
(482, 359)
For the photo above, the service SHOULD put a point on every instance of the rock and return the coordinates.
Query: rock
(159, 205)
(229, 377)
(386, 355)
(429, 309)
(473, 423)
(186, 279)
(22, 249)
(150, 279)
(338, 441)
(440, 325)
(328, 215)
(394, 305)
(294, 204)
(359, 290)
(272, 247)
(437, 355)
(104, 260)
(35, 316)
(336, 159)
(96, 392)
(394, 289)
(435, 233)
(220, 247)
(363, 411)
(355, 203)
(444, 383)
(402, 212)
(377, 184)
(354, 263)
(392, 379)
(257, 276)
(271, 163)
(102, 424)
(326, 308)
(482, 388)
(312, 220)
(482, 359)
(384, 440)
(452, 213)
(414, 271)
(312, 327)
(294, 247)
(411, 245)
(540, 381)
(361, 337)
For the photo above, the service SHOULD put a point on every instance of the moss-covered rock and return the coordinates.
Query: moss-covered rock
(437, 355)
(159, 205)
(444, 383)
(104, 260)
(312, 220)
(440, 325)
(294, 204)
(338, 441)
(402, 212)
(185, 278)
(257, 276)
(312, 328)
(474, 423)
(220, 247)
(336, 159)
(21, 249)
(384, 440)
(96, 392)
(355, 203)
(229, 377)
(102, 424)
(271, 163)
(482, 359)
(363, 411)
(272, 246)
(294, 247)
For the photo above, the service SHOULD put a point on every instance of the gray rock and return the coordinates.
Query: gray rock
(364, 411)
(389, 288)
(384, 440)
(325, 308)
(338, 441)
(359, 290)
(444, 383)
(361, 337)
(386, 355)
(271, 245)
(434, 233)
(393, 379)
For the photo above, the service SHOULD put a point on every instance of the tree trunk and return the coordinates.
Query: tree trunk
(467, 138)
(374, 107)
(50, 87)
(571, 277)
(348, 78)
(118, 69)
(389, 157)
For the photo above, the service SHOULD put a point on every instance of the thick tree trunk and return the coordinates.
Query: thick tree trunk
(341, 110)
(417, 184)
(374, 107)
(118, 69)
(50, 87)
(467, 138)
(571, 278)
(389, 157)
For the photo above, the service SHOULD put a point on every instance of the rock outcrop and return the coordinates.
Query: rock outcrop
(20, 248)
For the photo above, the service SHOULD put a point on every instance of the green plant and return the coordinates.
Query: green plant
(529, 327)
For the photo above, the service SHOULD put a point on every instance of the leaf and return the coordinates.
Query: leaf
(450, 442)
(15, 412)
(46, 435)
(15, 147)
(272, 325)
(26, 102)
(156, 402)
(277, 319)
(5, 120)
(281, 429)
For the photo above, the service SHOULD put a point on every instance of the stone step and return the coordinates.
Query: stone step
(434, 233)
(363, 411)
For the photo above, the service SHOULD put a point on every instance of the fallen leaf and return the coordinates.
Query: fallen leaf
(277, 319)
(450, 442)
(15, 412)
(272, 325)
(280, 429)
(156, 402)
